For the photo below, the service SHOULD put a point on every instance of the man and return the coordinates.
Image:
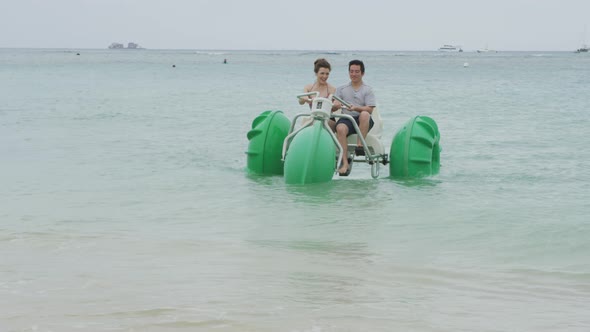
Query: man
(362, 99)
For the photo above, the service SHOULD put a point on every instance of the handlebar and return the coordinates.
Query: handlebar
(316, 93)
(348, 105)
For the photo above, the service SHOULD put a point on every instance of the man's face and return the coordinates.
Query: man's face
(355, 73)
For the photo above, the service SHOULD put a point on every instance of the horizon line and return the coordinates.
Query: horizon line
(270, 49)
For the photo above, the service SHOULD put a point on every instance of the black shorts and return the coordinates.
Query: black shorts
(348, 123)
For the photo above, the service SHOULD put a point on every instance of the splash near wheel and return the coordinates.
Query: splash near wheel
(415, 149)
(265, 149)
(311, 157)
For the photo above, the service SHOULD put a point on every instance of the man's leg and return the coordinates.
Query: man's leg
(341, 134)
(364, 119)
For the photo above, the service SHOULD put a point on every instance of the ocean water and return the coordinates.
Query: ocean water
(125, 203)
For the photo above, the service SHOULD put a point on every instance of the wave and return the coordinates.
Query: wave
(320, 52)
(210, 53)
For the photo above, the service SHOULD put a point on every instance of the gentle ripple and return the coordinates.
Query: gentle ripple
(126, 204)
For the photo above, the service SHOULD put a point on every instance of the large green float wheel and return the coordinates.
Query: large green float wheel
(266, 137)
(415, 149)
(311, 156)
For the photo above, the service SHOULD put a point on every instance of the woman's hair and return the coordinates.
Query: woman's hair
(321, 63)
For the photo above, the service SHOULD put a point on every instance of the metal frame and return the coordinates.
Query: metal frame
(372, 159)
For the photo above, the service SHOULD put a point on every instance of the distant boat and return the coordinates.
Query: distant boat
(450, 48)
(116, 46)
(486, 50)
(131, 46)
(583, 49)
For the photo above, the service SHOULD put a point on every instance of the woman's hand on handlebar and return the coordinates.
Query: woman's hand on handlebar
(304, 100)
(336, 106)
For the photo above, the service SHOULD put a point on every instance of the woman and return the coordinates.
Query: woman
(322, 69)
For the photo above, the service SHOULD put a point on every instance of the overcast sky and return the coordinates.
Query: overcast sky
(297, 25)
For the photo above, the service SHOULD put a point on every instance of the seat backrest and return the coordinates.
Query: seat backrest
(377, 129)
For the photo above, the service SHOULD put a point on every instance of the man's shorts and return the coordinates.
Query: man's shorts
(350, 126)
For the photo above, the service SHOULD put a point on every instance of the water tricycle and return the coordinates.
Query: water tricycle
(312, 153)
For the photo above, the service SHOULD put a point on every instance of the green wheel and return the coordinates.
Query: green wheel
(311, 157)
(415, 149)
(266, 137)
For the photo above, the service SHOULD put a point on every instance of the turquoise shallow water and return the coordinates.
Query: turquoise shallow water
(125, 204)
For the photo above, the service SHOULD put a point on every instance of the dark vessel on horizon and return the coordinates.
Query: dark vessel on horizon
(130, 46)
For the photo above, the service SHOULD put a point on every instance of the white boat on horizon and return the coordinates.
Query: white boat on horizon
(486, 50)
(450, 48)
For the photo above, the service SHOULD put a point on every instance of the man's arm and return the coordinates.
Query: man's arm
(363, 109)
(369, 100)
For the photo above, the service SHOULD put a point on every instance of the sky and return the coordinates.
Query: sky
(515, 25)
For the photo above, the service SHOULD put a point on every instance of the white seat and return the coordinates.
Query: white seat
(373, 138)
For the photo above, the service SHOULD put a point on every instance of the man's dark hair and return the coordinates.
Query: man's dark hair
(358, 63)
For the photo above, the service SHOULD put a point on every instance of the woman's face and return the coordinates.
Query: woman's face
(323, 74)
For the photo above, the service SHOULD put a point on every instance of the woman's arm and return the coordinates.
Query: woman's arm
(305, 99)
